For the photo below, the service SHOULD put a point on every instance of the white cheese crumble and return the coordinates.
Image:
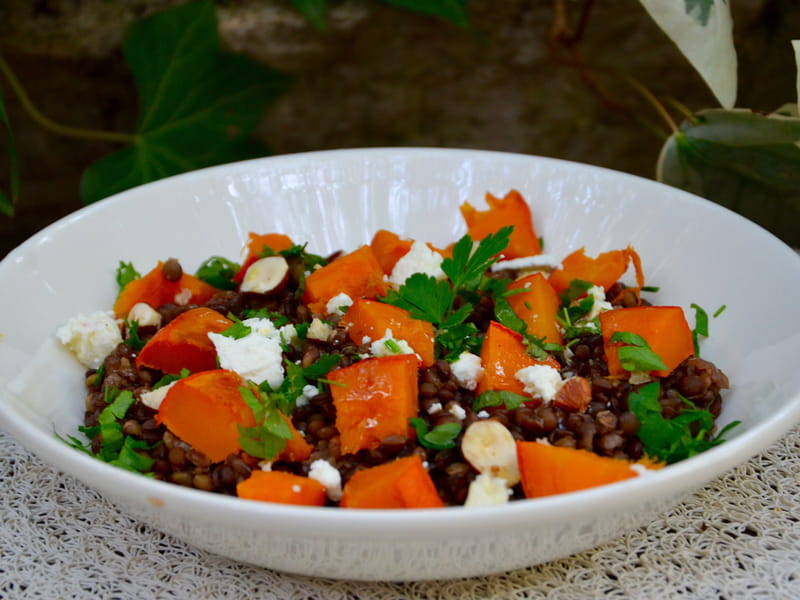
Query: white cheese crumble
(419, 259)
(467, 370)
(319, 330)
(328, 476)
(337, 303)
(486, 490)
(390, 346)
(90, 337)
(255, 357)
(640, 469)
(600, 303)
(183, 297)
(309, 391)
(154, 398)
(483, 414)
(434, 408)
(541, 381)
(458, 412)
(527, 263)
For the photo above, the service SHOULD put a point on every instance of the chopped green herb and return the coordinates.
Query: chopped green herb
(238, 330)
(125, 274)
(219, 272)
(492, 398)
(672, 440)
(170, 377)
(132, 340)
(440, 437)
(636, 355)
(700, 327)
(392, 346)
(719, 311)
(263, 313)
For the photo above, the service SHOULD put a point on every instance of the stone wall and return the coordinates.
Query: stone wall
(381, 76)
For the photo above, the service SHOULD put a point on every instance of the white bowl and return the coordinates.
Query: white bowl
(695, 251)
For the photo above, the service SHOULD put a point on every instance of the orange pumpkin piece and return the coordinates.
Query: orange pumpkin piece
(256, 244)
(297, 449)
(282, 487)
(538, 306)
(548, 470)
(502, 355)
(402, 483)
(358, 274)
(155, 290)
(604, 270)
(663, 327)
(509, 210)
(205, 411)
(374, 398)
(389, 248)
(370, 318)
(183, 343)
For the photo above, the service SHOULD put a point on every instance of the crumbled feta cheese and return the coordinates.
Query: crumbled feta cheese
(366, 340)
(434, 408)
(90, 337)
(539, 262)
(542, 381)
(482, 414)
(319, 330)
(600, 303)
(328, 476)
(265, 465)
(458, 412)
(467, 370)
(389, 346)
(296, 488)
(255, 357)
(337, 303)
(419, 259)
(154, 398)
(288, 335)
(486, 490)
(309, 391)
(370, 423)
(261, 326)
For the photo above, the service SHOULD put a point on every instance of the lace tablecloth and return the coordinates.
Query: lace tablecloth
(739, 537)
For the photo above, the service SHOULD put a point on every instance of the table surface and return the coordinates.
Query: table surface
(738, 537)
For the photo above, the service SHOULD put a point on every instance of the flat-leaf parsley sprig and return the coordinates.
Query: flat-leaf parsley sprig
(445, 302)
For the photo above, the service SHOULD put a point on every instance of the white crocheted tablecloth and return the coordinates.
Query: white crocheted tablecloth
(739, 537)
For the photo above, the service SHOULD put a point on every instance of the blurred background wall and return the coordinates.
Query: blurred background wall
(382, 76)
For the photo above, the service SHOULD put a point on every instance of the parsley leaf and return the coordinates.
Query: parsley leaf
(672, 440)
(468, 264)
(125, 274)
(170, 377)
(238, 330)
(637, 355)
(132, 340)
(440, 437)
(218, 272)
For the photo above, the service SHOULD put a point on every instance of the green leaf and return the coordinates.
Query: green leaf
(7, 202)
(703, 31)
(314, 11)
(492, 398)
(125, 274)
(198, 106)
(637, 355)
(219, 272)
(440, 437)
(743, 161)
(424, 297)
(454, 11)
(466, 265)
(672, 440)
(170, 377)
(238, 330)
(133, 341)
(700, 327)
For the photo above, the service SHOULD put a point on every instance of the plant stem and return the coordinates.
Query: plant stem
(46, 123)
(653, 101)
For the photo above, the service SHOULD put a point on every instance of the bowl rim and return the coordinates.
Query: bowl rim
(667, 482)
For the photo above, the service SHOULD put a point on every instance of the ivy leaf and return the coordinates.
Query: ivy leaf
(198, 106)
(743, 161)
(454, 11)
(7, 202)
(703, 32)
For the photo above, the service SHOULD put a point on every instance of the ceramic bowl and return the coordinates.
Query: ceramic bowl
(693, 250)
